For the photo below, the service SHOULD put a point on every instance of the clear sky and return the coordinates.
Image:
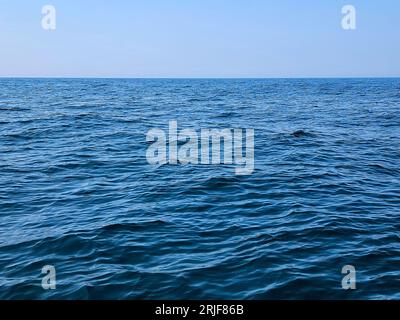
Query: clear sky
(200, 38)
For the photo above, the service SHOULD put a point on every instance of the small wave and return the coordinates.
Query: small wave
(302, 134)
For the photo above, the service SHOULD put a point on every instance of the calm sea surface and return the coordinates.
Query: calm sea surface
(76, 191)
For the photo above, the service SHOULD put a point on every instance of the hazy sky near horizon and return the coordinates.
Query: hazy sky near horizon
(207, 38)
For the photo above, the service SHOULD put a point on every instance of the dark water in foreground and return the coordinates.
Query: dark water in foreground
(77, 193)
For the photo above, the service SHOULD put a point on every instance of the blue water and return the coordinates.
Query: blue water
(76, 191)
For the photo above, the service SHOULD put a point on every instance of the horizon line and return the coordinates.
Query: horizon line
(199, 78)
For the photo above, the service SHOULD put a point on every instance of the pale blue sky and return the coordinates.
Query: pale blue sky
(202, 38)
